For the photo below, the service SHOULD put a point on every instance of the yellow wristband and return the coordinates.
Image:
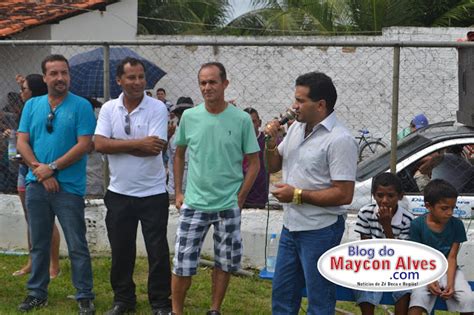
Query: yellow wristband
(297, 196)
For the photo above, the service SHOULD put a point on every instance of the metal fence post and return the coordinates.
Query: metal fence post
(395, 91)
(106, 98)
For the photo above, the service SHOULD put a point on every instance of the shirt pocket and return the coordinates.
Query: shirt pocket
(141, 130)
(315, 161)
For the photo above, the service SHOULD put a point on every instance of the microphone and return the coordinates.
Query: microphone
(287, 116)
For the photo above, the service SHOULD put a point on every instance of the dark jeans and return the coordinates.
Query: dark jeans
(123, 214)
(69, 208)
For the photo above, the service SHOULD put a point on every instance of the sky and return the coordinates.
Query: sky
(240, 7)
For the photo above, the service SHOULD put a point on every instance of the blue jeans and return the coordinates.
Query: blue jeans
(42, 207)
(296, 268)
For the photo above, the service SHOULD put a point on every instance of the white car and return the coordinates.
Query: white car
(410, 151)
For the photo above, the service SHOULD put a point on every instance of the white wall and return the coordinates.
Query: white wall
(263, 77)
(117, 22)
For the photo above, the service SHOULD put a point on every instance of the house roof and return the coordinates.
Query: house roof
(18, 15)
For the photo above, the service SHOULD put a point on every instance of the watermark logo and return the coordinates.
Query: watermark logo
(382, 265)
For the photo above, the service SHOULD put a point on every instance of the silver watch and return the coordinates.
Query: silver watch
(53, 166)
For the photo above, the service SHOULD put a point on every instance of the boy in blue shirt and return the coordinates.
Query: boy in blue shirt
(388, 218)
(441, 231)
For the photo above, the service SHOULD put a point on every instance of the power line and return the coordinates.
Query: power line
(257, 29)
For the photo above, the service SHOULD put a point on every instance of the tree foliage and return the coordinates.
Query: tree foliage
(300, 17)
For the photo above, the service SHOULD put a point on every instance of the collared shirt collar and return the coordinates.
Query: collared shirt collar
(327, 122)
(143, 104)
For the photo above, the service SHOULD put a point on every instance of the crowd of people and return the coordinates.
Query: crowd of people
(219, 161)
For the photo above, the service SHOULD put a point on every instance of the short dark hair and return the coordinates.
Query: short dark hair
(51, 58)
(252, 110)
(161, 89)
(320, 88)
(385, 180)
(220, 66)
(438, 189)
(132, 61)
(36, 84)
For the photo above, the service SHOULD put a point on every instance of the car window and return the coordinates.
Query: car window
(452, 163)
(379, 163)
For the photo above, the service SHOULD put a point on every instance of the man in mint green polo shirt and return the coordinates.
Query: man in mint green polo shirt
(217, 136)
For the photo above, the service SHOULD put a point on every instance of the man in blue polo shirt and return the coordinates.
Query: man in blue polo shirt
(54, 137)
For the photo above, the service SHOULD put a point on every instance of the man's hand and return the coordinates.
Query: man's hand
(152, 145)
(42, 171)
(271, 129)
(283, 192)
(179, 199)
(51, 185)
(447, 292)
(434, 288)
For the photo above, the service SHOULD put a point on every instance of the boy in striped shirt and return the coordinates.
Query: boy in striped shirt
(388, 218)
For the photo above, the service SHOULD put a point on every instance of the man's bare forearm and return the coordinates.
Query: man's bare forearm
(273, 158)
(81, 148)
(112, 146)
(25, 150)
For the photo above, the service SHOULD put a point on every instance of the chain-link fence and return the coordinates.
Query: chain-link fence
(378, 83)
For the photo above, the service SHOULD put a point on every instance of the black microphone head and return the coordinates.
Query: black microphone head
(288, 115)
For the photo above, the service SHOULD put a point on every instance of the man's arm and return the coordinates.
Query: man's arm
(340, 193)
(82, 147)
(178, 172)
(148, 146)
(272, 156)
(23, 146)
(252, 172)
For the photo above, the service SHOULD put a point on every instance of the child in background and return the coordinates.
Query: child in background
(441, 231)
(388, 218)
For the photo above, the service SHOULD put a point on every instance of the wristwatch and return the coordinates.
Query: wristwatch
(53, 166)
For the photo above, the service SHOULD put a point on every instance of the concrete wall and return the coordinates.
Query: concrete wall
(13, 233)
(263, 77)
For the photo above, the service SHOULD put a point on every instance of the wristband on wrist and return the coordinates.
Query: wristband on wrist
(297, 193)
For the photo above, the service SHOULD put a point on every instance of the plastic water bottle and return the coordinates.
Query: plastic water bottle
(272, 253)
(12, 145)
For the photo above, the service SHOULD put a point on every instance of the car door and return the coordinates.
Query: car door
(407, 168)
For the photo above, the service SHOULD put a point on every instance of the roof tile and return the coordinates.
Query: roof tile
(18, 15)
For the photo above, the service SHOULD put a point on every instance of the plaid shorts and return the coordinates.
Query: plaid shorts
(192, 229)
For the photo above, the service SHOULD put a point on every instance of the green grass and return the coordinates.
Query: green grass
(246, 295)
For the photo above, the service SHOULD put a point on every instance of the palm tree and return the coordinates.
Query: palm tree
(181, 16)
(295, 17)
(444, 12)
(319, 17)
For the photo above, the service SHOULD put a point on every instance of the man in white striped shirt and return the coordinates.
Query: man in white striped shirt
(388, 218)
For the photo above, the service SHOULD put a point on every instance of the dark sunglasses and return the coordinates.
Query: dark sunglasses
(49, 122)
(127, 124)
